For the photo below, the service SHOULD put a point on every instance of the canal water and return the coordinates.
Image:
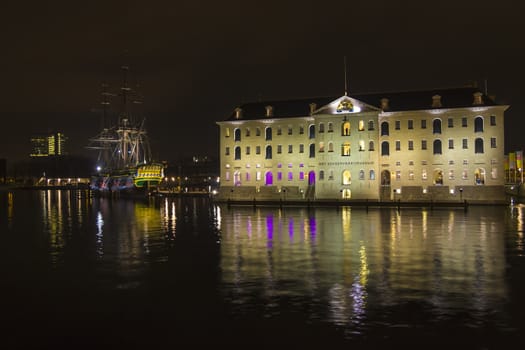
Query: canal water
(88, 272)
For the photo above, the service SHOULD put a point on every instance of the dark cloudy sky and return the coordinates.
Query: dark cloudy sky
(195, 61)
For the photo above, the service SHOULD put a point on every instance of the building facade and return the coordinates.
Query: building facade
(437, 145)
(48, 145)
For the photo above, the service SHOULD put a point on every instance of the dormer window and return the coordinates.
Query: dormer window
(478, 100)
(269, 111)
(436, 101)
(238, 113)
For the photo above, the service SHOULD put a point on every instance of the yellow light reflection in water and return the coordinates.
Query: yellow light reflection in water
(10, 211)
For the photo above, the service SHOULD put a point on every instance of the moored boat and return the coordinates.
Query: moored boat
(124, 161)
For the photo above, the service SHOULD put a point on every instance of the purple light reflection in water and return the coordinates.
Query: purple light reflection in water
(312, 224)
(249, 227)
(269, 228)
(290, 229)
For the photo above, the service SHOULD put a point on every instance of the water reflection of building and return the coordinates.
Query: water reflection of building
(361, 261)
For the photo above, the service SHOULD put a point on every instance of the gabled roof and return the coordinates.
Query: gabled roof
(343, 105)
(397, 101)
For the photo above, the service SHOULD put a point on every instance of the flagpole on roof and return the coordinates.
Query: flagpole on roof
(346, 82)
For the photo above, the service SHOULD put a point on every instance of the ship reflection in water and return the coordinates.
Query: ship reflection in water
(181, 269)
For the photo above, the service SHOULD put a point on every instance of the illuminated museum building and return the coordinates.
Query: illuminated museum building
(445, 144)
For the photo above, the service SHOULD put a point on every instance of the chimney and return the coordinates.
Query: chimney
(313, 107)
(436, 101)
(478, 100)
(269, 111)
(384, 104)
(238, 113)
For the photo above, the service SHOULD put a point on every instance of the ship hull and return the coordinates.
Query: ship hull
(140, 181)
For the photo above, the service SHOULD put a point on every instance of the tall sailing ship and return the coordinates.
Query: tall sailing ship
(124, 164)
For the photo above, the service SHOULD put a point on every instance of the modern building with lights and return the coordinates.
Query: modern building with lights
(434, 145)
(48, 145)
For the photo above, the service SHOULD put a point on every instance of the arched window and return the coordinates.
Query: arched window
(438, 177)
(347, 178)
(371, 146)
(237, 135)
(385, 148)
(345, 129)
(268, 178)
(384, 129)
(361, 174)
(311, 131)
(330, 146)
(268, 152)
(268, 134)
(437, 147)
(436, 126)
(330, 127)
(478, 145)
(345, 149)
(312, 150)
(237, 153)
(372, 175)
(479, 176)
(361, 145)
(361, 125)
(478, 124)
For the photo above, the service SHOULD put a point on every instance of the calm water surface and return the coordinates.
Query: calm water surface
(95, 272)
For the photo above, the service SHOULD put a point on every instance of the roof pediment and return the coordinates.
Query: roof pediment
(345, 105)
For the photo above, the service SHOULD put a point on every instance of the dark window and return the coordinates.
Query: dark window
(493, 142)
(436, 126)
(423, 124)
(464, 122)
(237, 153)
(312, 150)
(478, 124)
(237, 135)
(478, 148)
(437, 147)
(268, 134)
(492, 120)
(411, 124)
(450, 122)
(398, 125)
(385, 148)
(384, 129)
(268, 152)
(311, 131)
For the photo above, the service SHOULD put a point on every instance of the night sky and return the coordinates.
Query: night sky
(195, 61)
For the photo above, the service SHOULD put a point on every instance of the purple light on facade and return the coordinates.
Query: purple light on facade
(290, 228)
